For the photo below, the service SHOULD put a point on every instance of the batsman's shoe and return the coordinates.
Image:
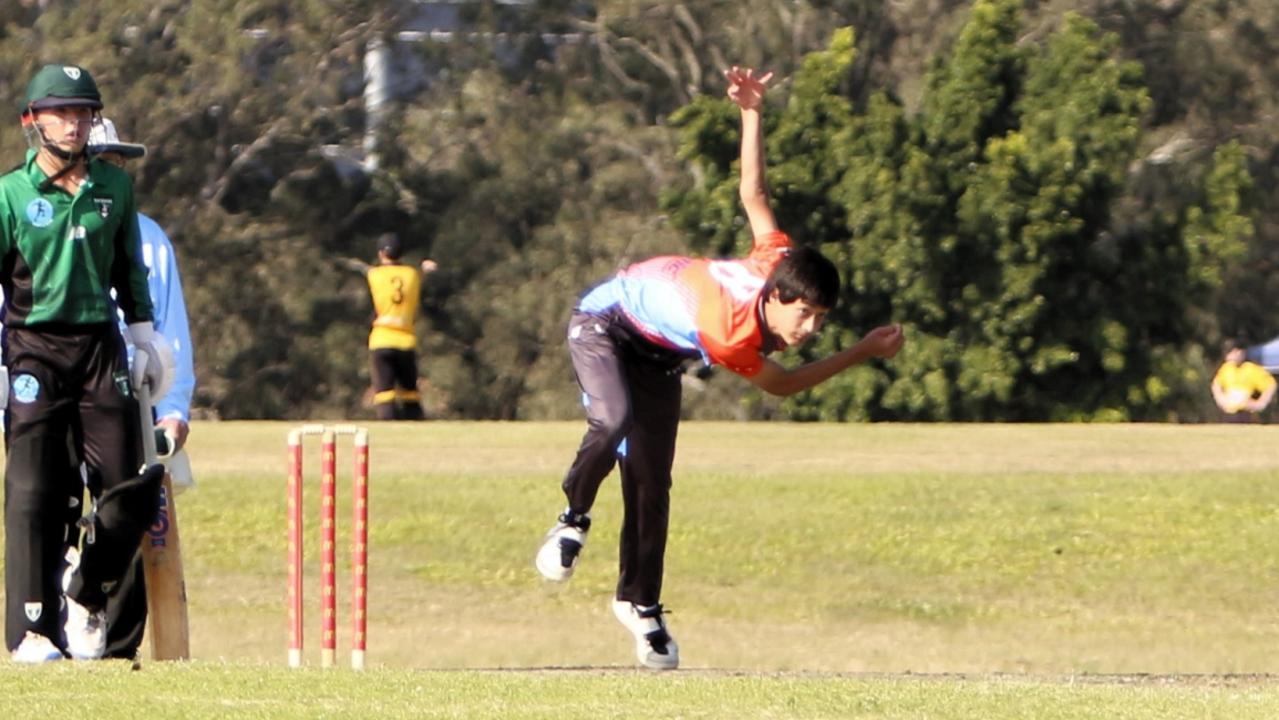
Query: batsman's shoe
(557, 558)
(35, 649)
(654, 646)
(86, 631)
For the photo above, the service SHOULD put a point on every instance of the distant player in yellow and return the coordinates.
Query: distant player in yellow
(396, 289)
(1240, 388)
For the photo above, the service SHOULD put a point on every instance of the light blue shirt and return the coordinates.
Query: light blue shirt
(170, 317)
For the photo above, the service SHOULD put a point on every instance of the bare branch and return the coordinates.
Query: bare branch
(606, 38)
(666, 68)
(687, 49)
(686, 19)
(608, 55)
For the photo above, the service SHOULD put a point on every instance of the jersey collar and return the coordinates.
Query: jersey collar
(37, 174)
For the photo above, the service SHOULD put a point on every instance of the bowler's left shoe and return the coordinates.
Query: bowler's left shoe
(654, 646)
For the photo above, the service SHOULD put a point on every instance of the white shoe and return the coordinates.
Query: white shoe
(86, 632)
(557, 558)
(654, 646)
(36, 649)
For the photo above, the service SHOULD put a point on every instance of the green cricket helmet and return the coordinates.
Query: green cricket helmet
(57, 86)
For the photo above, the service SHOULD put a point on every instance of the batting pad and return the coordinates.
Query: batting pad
(118, 521)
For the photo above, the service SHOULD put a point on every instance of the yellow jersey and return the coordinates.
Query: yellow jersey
(397, 294)
(1242, 383)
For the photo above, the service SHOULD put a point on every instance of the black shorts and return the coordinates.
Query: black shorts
(394, 369)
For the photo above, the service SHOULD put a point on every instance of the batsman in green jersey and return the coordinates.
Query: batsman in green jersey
(68, 237)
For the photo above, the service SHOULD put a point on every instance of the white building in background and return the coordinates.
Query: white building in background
(395, 71)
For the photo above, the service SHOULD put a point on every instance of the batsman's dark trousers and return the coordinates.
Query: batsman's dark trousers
(127, 604)
(630, 397)
(63, 380)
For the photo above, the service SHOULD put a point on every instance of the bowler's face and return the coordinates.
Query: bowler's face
(793, 322)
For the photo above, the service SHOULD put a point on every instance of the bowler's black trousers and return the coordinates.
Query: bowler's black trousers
(631, 389)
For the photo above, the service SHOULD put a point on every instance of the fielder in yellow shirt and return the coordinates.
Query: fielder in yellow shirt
(396, 290)
(1241, 389)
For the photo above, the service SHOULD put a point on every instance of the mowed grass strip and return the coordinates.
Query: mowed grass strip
(110, 690)
(1042, 549)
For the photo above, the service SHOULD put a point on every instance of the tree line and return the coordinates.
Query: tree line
(1067, 211)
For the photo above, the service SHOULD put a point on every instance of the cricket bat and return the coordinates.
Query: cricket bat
(162, 558)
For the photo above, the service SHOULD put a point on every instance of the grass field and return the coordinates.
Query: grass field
(878, 571)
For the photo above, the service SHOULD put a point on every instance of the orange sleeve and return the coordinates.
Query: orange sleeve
(767, 251)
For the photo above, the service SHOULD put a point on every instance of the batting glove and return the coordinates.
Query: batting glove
(158, 365)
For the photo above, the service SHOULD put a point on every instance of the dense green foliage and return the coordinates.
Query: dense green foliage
(1064, 210)
(983, 222)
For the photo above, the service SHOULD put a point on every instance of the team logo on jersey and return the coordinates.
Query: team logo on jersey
(104, 207)
(71, 72)
(40, 213)
(26, 388)
(33, 610)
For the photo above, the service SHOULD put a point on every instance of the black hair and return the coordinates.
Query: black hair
(1230, 344)
(805, 274)
(389, 243)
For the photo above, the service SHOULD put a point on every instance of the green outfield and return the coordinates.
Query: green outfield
(878, 571)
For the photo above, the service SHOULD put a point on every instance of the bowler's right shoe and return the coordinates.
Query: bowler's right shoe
(86, 631)
(654, 646)
(36, 649)
(557, 558)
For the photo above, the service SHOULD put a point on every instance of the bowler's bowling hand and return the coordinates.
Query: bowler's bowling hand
(885, 341)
